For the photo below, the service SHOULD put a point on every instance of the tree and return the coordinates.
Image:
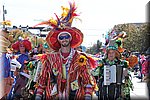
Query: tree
(138, 36)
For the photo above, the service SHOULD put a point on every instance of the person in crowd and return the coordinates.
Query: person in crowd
(110, 73)
(6, 80)
(66, 72)
(142, 58)
(146, 70)
(22, 48)
(136, 69)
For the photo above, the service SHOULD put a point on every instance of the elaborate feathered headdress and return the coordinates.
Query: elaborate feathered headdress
(4, 42)
(118, 37)
(65, 20)
(63, 24)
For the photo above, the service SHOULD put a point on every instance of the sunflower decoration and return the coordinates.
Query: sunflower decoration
(82, 60)
(7, 22)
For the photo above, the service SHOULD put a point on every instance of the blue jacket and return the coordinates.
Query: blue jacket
(22, 58)
(5, 65)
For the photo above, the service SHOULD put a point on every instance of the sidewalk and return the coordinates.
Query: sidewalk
(140, 89)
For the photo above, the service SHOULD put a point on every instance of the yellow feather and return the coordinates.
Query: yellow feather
(65, 11)
(53, 21)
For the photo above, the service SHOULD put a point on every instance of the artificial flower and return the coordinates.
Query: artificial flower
(7, 22)
(82, 60)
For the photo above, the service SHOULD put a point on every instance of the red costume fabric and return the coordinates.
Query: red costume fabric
(25, 43)
(52, 67)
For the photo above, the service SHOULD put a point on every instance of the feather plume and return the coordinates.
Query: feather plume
(65, 20)
(50, 22)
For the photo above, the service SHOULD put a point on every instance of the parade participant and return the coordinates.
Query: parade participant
(22, 47)
(142, 58)
(66, 72)
(146, 70)
(6, 80)
(110, 80)
(141, 61)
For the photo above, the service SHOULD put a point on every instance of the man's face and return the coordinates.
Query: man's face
(64, 39)
(111, 54)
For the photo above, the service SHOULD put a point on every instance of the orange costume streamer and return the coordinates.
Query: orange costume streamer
(133, 60)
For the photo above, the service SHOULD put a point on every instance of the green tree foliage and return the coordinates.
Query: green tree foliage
(138, 36)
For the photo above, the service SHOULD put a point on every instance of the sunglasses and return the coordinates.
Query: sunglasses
(21, 45)
(64, 37)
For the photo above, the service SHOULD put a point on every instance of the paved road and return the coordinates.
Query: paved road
(140, 89)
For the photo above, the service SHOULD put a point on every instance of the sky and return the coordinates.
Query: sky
(98, 16)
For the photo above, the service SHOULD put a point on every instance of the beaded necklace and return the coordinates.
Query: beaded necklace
(70, 55)
(111, 62)
(66, 66)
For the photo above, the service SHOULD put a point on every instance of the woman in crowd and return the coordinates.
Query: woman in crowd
(22, 48)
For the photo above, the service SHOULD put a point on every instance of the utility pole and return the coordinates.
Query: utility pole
(4, 12)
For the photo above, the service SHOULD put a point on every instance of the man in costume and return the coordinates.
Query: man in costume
(110, 72)
(65, 72)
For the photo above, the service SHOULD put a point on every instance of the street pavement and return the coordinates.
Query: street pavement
(139, 92)
(140, 89)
